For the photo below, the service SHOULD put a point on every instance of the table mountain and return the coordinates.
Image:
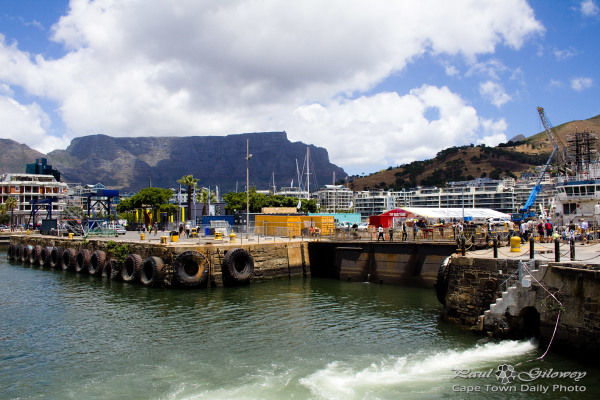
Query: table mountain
(129, 163)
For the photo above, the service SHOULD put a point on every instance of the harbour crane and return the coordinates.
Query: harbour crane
(528, 211)
(563, 158)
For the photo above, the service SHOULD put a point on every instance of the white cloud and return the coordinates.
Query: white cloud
(581, 83)
(564, 54)
(555, 83)
(589, 8)
(213, 68)
(494, 93)
(26, 124)
(451, 70)
(491, 69)
(388, 130)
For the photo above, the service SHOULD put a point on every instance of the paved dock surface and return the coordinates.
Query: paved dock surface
(587, 254)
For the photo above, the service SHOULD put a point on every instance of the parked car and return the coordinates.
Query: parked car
(363, 226)
(120, 229)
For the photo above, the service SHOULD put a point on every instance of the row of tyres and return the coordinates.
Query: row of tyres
(190, 269)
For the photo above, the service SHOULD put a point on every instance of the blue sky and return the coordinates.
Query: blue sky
(377, 83)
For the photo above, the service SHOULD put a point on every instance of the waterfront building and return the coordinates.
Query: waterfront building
(478, 193)
(373, 202)
(332, 198)
(294, 192)
(27, 187)
(545, 198)
(403, 198)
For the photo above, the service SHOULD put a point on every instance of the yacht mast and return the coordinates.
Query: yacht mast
(308, 173)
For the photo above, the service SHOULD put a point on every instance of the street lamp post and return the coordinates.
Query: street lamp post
(248, 157)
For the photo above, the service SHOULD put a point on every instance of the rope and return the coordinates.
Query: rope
(516, 256)
(559, 310)
(513, 274)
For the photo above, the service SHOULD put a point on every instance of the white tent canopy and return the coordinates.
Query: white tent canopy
(458, 213)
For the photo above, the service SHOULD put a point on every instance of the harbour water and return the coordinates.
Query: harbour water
(64, 335)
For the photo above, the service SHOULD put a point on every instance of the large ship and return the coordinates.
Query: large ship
(578, 186)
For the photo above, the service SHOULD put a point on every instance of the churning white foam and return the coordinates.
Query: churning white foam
(414, 372)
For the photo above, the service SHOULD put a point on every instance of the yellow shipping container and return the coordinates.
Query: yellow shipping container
(325, 223)
(292, 225)
(277, 225)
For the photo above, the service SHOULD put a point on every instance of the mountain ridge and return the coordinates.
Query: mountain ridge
(470, 161)
(131, 163)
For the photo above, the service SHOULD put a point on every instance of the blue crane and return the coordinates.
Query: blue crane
(526, 211)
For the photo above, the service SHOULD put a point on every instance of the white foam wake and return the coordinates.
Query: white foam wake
(415, 372)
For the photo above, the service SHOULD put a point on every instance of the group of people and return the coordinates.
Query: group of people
(543, 227)
(184, 229)
(547, 232)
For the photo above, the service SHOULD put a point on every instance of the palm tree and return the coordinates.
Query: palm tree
(204, 197)
(191, 183)
(11, 203)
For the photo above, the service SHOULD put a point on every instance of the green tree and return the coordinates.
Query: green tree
(11, 204)
(169, 209)
(204, 196)
(191, 183)
(236, 202)
(148, 197)
(4, 217)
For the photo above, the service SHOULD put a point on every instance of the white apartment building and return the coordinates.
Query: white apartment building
(295, 192)
(27, 187)
(333, 198)
(373, 202)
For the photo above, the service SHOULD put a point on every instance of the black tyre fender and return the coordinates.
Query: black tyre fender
(152, 272)
(18, 251)
(190, 269)
(35, 257)
(26, 253)
(56, 260)
(113, 270)
(441, 284)
(11, 252)
(97, 263)
(131, 268)
(46, 258)
(238, 266)
(69, 259)
(82, 261)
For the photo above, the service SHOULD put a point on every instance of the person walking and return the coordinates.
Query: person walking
(584, 227)
(404, 234)
(549, 230)
(380, 235)
(391, 233)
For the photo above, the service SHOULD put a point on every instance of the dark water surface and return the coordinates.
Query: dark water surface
(64, 335)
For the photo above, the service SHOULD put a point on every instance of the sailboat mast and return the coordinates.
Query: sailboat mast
(308, 173)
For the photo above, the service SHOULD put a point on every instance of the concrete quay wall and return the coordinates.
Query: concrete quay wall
(393, 263)
(476, 298)
(271, 260)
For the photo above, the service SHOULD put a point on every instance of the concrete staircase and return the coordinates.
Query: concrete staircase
(513, 300)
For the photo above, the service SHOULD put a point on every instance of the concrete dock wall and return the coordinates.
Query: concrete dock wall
(476, 298)
(271, 260)
(386, 263)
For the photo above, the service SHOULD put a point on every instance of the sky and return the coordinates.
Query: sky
(378, 83)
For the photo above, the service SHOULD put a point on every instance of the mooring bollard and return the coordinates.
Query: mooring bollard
(572, 244)
(463, 245)
(557, 250)
(531, 248)
(495, 242)
(515, 244)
